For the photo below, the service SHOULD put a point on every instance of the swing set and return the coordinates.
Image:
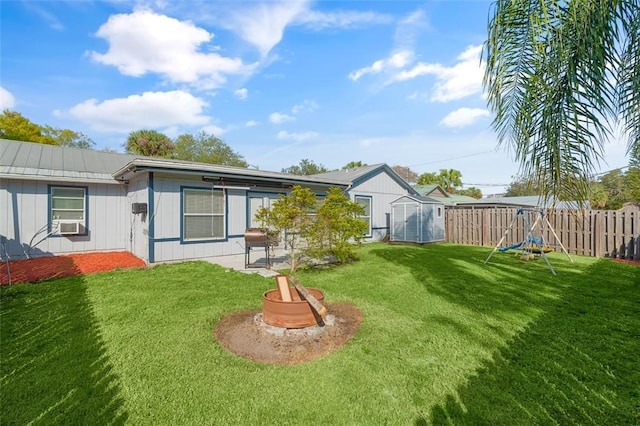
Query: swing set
(533, 243)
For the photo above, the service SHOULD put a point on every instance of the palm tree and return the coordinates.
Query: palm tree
(149, 143)
(560, 76)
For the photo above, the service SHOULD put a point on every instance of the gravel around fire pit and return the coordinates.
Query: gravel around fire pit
(244, 334)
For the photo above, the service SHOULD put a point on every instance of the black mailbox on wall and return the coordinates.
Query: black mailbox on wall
(137, 208)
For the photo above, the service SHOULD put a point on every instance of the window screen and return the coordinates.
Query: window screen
(67, 203)
(203, 214)
(366, 203)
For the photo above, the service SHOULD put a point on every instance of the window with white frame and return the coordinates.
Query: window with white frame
(203, 214)
(439, 212)
(366, 203)
(68, 203)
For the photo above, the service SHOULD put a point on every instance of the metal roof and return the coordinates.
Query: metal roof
(524, 201)
(27, 160)
(52, 162)
(216, 170)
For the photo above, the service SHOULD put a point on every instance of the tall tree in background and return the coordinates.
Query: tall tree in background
(69, 138)
(521, 186)
(450, 179)
(406, 173)
(305, 167)
(559, 74)
(206, 148)
(428, 179)
(353, 165)
(15, 126)
(149, 143)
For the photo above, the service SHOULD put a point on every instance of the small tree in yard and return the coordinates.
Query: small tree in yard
(290, 217)
(328, 232)
(335, 227)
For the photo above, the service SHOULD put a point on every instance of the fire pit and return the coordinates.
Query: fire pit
(296, 313)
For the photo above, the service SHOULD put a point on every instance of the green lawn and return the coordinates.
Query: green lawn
(445, 340)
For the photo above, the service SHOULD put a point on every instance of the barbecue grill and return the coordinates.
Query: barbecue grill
(262, 239)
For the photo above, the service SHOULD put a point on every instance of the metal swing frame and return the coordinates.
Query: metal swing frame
(525, 245)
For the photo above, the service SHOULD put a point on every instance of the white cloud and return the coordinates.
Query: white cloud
(397, 60)
(48, 17)
(409, 28)
(279, 118)
(464, 117)
(456, 82)
(263, 24)
(148, 110)
(145, 42)
(7, 100)
(296, 136)
(251, 123)
(212, 129)
(241, 93)
(341, 19)
(306, 105)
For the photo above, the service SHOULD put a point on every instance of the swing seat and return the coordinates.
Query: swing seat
(538, 249)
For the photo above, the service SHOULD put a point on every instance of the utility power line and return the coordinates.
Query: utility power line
(454, 158)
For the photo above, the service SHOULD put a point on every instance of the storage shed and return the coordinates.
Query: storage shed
(417, 219)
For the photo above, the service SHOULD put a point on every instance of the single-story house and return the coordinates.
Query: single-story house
(375, 187)
(58, 200)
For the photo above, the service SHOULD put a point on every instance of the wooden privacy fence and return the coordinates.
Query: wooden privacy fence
(598, 233)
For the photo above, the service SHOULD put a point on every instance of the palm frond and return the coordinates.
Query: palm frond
(552, 81)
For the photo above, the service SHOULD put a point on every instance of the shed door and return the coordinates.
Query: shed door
(405, 222)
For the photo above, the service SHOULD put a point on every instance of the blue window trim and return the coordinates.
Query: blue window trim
(226, 216)
(355, 198)
(85, 225)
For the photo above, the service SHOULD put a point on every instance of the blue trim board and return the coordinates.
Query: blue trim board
(166, 240)
(152, 217)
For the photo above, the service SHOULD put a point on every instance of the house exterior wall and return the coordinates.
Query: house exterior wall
(25, 220)
(383, 190)
(139, 232)
(166, 241)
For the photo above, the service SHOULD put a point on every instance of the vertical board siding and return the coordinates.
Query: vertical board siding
(27, 213)
(597, 233)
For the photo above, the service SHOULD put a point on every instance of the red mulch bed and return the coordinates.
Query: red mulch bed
(629, 262)
(42, 268)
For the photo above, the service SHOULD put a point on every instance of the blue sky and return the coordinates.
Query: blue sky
(396, 82)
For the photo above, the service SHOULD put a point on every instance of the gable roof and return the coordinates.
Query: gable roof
(421, 199)
(358, 175)
(433, 190)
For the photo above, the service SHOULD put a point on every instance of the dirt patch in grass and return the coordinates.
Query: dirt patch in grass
(43, 268)
(242, 334)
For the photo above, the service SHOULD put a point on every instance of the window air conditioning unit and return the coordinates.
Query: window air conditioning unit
(68, 228)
